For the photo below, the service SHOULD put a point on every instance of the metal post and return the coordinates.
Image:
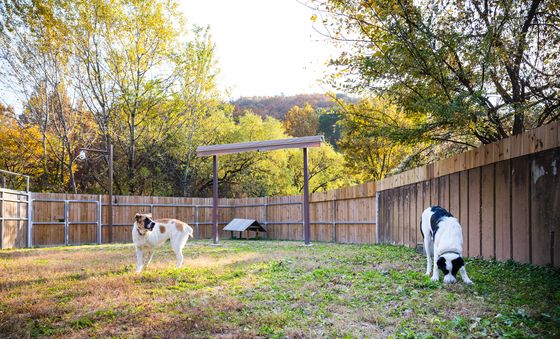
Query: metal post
(18, 213)
(306, 229)
(29, 219)
(99, 206)
(2, 220)
(110, 193)
(215, 203)
(196, 220)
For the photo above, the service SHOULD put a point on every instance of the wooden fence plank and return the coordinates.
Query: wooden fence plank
(520, 210)
(487, 212)
(405, 235)
(474, 212)
(443, 189)
(412, 216)
(463, 213)
(454, 195)
(503, 210)
(545, 203)
(434, 186)
(419, 209)
(395, 208)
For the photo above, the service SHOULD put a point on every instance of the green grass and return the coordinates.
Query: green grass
(268, 289)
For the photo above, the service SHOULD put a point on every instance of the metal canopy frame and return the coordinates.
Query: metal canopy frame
(261, 146)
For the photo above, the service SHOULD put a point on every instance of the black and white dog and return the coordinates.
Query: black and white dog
(443, 238)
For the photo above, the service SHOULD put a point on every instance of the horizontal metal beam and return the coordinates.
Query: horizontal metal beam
(11, 191)
(64, 223)
(62, 200)
(261, 146)
(14, 200)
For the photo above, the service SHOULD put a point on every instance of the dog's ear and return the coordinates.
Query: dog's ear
(441, 262)
(457, 264)
(442, 266)
(138, 216)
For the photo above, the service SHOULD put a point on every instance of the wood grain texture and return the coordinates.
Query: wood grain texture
(503, 210)
(520, 210)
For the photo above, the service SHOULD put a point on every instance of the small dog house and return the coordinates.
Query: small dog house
(241, 225)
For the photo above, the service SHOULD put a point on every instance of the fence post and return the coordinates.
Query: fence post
(18, 216)
(99, 218)
(2, 220)
(29, 218)
(65, 222)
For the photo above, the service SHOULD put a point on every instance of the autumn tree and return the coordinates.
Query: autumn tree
(478, 71)
(131, 66)
(21, 152)
(369, 153)
(131, 74)
(34, 65)
(301, 122)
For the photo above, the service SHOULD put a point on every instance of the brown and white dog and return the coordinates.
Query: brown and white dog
(148, 234)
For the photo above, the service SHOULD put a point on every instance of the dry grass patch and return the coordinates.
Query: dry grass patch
(267, 289)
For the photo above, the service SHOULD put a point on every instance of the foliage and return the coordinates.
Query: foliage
(476, 71)
(327, 290)
(302, 122)
(21, 149)
(278, 106)
(129, 73)
(269, 173)
(329, 126)
(369, 152)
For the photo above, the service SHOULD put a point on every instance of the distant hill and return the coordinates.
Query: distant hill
(278, 106)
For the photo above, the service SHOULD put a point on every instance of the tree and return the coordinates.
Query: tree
(478, 71)
(370, 154)
(21, 152)
(34, 65)
(302, 121)
(329, 126)
(131, 66)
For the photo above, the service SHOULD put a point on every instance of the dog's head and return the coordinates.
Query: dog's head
(450, 264)
(144, 221)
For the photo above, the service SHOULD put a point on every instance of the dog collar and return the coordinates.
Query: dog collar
(455, 252)
(142, 234)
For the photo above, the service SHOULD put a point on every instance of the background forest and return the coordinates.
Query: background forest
(423, 80)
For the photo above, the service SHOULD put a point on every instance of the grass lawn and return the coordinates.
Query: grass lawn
(268, 289)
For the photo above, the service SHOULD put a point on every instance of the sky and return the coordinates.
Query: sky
(264, 47)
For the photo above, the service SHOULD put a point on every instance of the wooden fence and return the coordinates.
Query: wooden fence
(506, 196)
(345, 215)
(13, 218)
(14, 209)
